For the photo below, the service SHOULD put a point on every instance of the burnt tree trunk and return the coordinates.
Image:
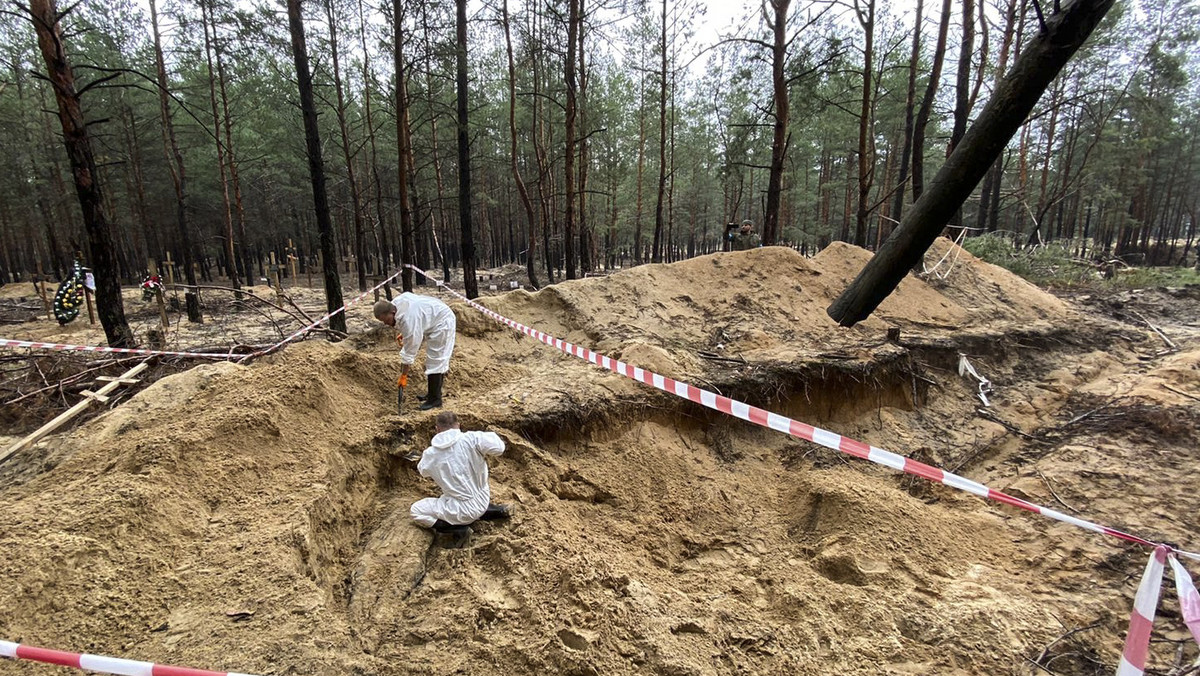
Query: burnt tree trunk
(1014, 98)
(316, 166)
(656, 253)
(569, 141)
(935, 74)
(866, 145)
(83, 170)
(641, 161)
(464, 152)
(779, 136)
(906, 150)
(962, 84)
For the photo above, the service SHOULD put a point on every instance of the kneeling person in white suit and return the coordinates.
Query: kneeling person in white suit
(456, 463)
(422, 319)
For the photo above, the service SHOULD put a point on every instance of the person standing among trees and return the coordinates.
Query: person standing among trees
(422, 319)
(745, 238)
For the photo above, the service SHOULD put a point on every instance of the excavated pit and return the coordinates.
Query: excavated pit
(256, 518)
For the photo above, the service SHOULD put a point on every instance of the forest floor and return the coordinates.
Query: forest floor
(255, 517)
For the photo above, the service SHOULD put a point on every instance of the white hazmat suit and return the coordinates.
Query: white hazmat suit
(455, 461)
(424, 319)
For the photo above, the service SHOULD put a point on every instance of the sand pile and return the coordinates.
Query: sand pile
(255, 517)
(769, 303)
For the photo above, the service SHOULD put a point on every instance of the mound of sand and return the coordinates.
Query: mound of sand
(758, 303)
(254, 518)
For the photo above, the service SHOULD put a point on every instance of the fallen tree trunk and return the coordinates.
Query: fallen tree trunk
(1014, 98)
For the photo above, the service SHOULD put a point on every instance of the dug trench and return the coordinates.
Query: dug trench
(656, 536)
(254, 518)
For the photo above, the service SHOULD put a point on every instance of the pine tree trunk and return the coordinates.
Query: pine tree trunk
(109, 303)
(585, 236)
(380, 227)
(906, 152)
(464, 152)
(999, 120)
(241, 244)
(779, 137)
(569, 141)
(641, 161)
(356, 205)
(404, 147)
(178, 172)
(989, 201)
(227, 213)
(656, 254)
(935, 74)
(539, 148)
(866, 155)
(316, 166)
(526, 202)
(962, 94)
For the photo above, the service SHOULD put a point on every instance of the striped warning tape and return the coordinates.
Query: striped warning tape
(1189, 598)
(1145, 604)
(4, 342)
(100, 663)
(801, 430)
(1141, 619)
(310, 327)
(35, 345)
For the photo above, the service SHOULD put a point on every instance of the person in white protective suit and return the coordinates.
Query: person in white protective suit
(422, 319)
(456, 462)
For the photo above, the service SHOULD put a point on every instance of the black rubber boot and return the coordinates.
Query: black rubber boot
(434, 398)
(455, 537)
(496, 513)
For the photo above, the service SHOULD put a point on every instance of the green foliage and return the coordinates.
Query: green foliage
(1139, 278)
(1054, 265)
(1111, 155)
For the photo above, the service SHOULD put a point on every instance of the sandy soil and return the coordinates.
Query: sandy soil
(255, 517)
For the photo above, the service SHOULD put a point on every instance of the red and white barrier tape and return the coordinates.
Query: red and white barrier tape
(1137, 644)
(310, 327)
(800, 430)
(1141, 620)
(100, 663)
(34, 345)
(1189, 598)
(4, 342)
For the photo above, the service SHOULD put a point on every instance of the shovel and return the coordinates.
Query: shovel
(401, 383)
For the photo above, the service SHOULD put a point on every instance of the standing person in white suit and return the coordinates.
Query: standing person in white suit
(422, 319)
(456, 461)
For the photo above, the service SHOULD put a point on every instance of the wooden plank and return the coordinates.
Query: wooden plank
(103, 399)
(70, 413)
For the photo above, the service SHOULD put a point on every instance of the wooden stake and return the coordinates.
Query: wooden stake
(274, 271)
(87, 295)
(162, 308)
(41, 289)
(292, 260)
(75, 410)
